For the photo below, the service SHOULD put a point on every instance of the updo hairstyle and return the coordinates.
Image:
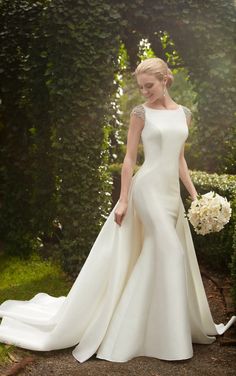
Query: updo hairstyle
(156, 67)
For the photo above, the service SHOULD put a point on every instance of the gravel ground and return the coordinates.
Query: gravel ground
(215, 359)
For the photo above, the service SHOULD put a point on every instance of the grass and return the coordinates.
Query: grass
(21, 279)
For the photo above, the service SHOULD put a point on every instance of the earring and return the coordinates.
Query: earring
(164, 92)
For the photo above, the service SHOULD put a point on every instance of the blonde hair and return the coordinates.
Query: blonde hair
(156, 67)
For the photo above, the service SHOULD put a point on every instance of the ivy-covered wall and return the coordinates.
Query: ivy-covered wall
(82, 47)
(26, 172)
(57, 68)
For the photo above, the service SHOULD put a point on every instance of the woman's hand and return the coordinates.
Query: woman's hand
(193, 197)
(120, 211)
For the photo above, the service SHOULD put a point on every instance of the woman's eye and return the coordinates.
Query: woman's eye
(147, 87)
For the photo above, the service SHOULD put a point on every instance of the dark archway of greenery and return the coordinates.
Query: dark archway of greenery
(58, 63)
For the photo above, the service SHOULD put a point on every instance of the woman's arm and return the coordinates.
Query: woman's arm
(185, 176)
(133, 138)
(135, 128)
(184, 172)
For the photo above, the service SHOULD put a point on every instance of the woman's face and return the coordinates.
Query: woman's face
(150, 87)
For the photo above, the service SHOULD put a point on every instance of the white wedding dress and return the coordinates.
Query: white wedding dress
(140, 291)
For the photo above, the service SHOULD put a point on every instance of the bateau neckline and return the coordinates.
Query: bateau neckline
(166, 109)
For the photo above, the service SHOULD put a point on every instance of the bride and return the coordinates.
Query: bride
(139, 292)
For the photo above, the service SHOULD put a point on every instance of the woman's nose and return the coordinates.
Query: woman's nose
(145, 91)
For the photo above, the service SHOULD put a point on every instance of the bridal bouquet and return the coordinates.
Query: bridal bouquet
(209, 213)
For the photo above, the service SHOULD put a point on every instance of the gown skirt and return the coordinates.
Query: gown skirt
(140, 291)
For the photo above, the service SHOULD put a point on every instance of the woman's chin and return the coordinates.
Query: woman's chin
(150, 100)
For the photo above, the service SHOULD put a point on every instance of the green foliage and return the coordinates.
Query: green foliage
(4, 351)
(216, 249)
(233, 267)
(58, 68)
(21, 279)
(26, 171)
(80, 84)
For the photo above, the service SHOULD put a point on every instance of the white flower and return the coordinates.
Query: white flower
(209, 213)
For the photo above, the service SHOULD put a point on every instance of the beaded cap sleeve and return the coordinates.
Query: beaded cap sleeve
(139, 111)
(188, 112)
